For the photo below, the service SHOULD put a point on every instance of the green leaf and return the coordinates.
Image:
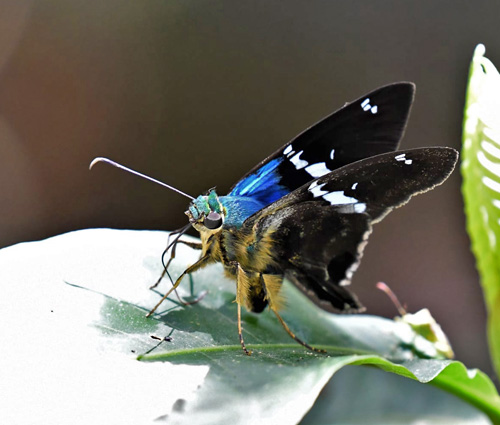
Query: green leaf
(73, 315)
(352, 398)
(481, 184)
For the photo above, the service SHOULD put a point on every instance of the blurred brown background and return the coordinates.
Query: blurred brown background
(197, 92)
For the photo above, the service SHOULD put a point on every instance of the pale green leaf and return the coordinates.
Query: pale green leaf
(73, 314)
(481, 184)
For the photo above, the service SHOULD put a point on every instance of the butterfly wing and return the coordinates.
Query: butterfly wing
(369, 126)
(319, 231)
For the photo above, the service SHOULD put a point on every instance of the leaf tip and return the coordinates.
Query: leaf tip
(479, 51)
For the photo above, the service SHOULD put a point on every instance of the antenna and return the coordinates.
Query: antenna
(115, 164)
(385, 288)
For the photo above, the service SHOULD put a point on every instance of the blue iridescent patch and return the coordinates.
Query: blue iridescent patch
(262, 186)
(239, 208)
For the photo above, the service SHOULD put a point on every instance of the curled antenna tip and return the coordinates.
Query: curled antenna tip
(98, 159)
(144, 176)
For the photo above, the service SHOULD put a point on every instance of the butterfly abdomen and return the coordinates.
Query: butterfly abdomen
(259, 276)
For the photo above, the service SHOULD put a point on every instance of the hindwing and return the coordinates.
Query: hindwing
(319, 231)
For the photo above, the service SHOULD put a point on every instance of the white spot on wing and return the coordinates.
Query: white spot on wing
(299, 163)
(346, 204)
(318, 170)
(316, 190)
(367, 107)
(339, 198)
(354, 186)
(360, 208)
(402, 157)
(355, 208)
(287, 150)
(332, 154)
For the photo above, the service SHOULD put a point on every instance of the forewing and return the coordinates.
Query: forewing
(371, 125)
(320, 230)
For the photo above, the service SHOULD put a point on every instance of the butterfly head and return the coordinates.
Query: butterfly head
(206, 213)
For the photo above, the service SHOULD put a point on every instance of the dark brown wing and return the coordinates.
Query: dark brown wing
(319, 231)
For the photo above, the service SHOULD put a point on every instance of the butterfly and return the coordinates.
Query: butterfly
(305, 212)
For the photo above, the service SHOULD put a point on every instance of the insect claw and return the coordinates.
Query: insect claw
(245, 350)
(156, 283)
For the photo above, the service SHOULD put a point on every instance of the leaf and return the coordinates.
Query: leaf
(353, 398)
(481, 184)
(73, 312)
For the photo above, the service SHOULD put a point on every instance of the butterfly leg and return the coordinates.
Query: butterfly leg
(240, 333)
(271, 285)
(242, 285)
(202, 262)
(194, 245)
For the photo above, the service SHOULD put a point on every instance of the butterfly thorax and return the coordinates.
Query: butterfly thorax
(238, 209)
(219, 220)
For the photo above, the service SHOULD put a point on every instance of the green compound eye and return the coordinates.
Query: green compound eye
(213, 220)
